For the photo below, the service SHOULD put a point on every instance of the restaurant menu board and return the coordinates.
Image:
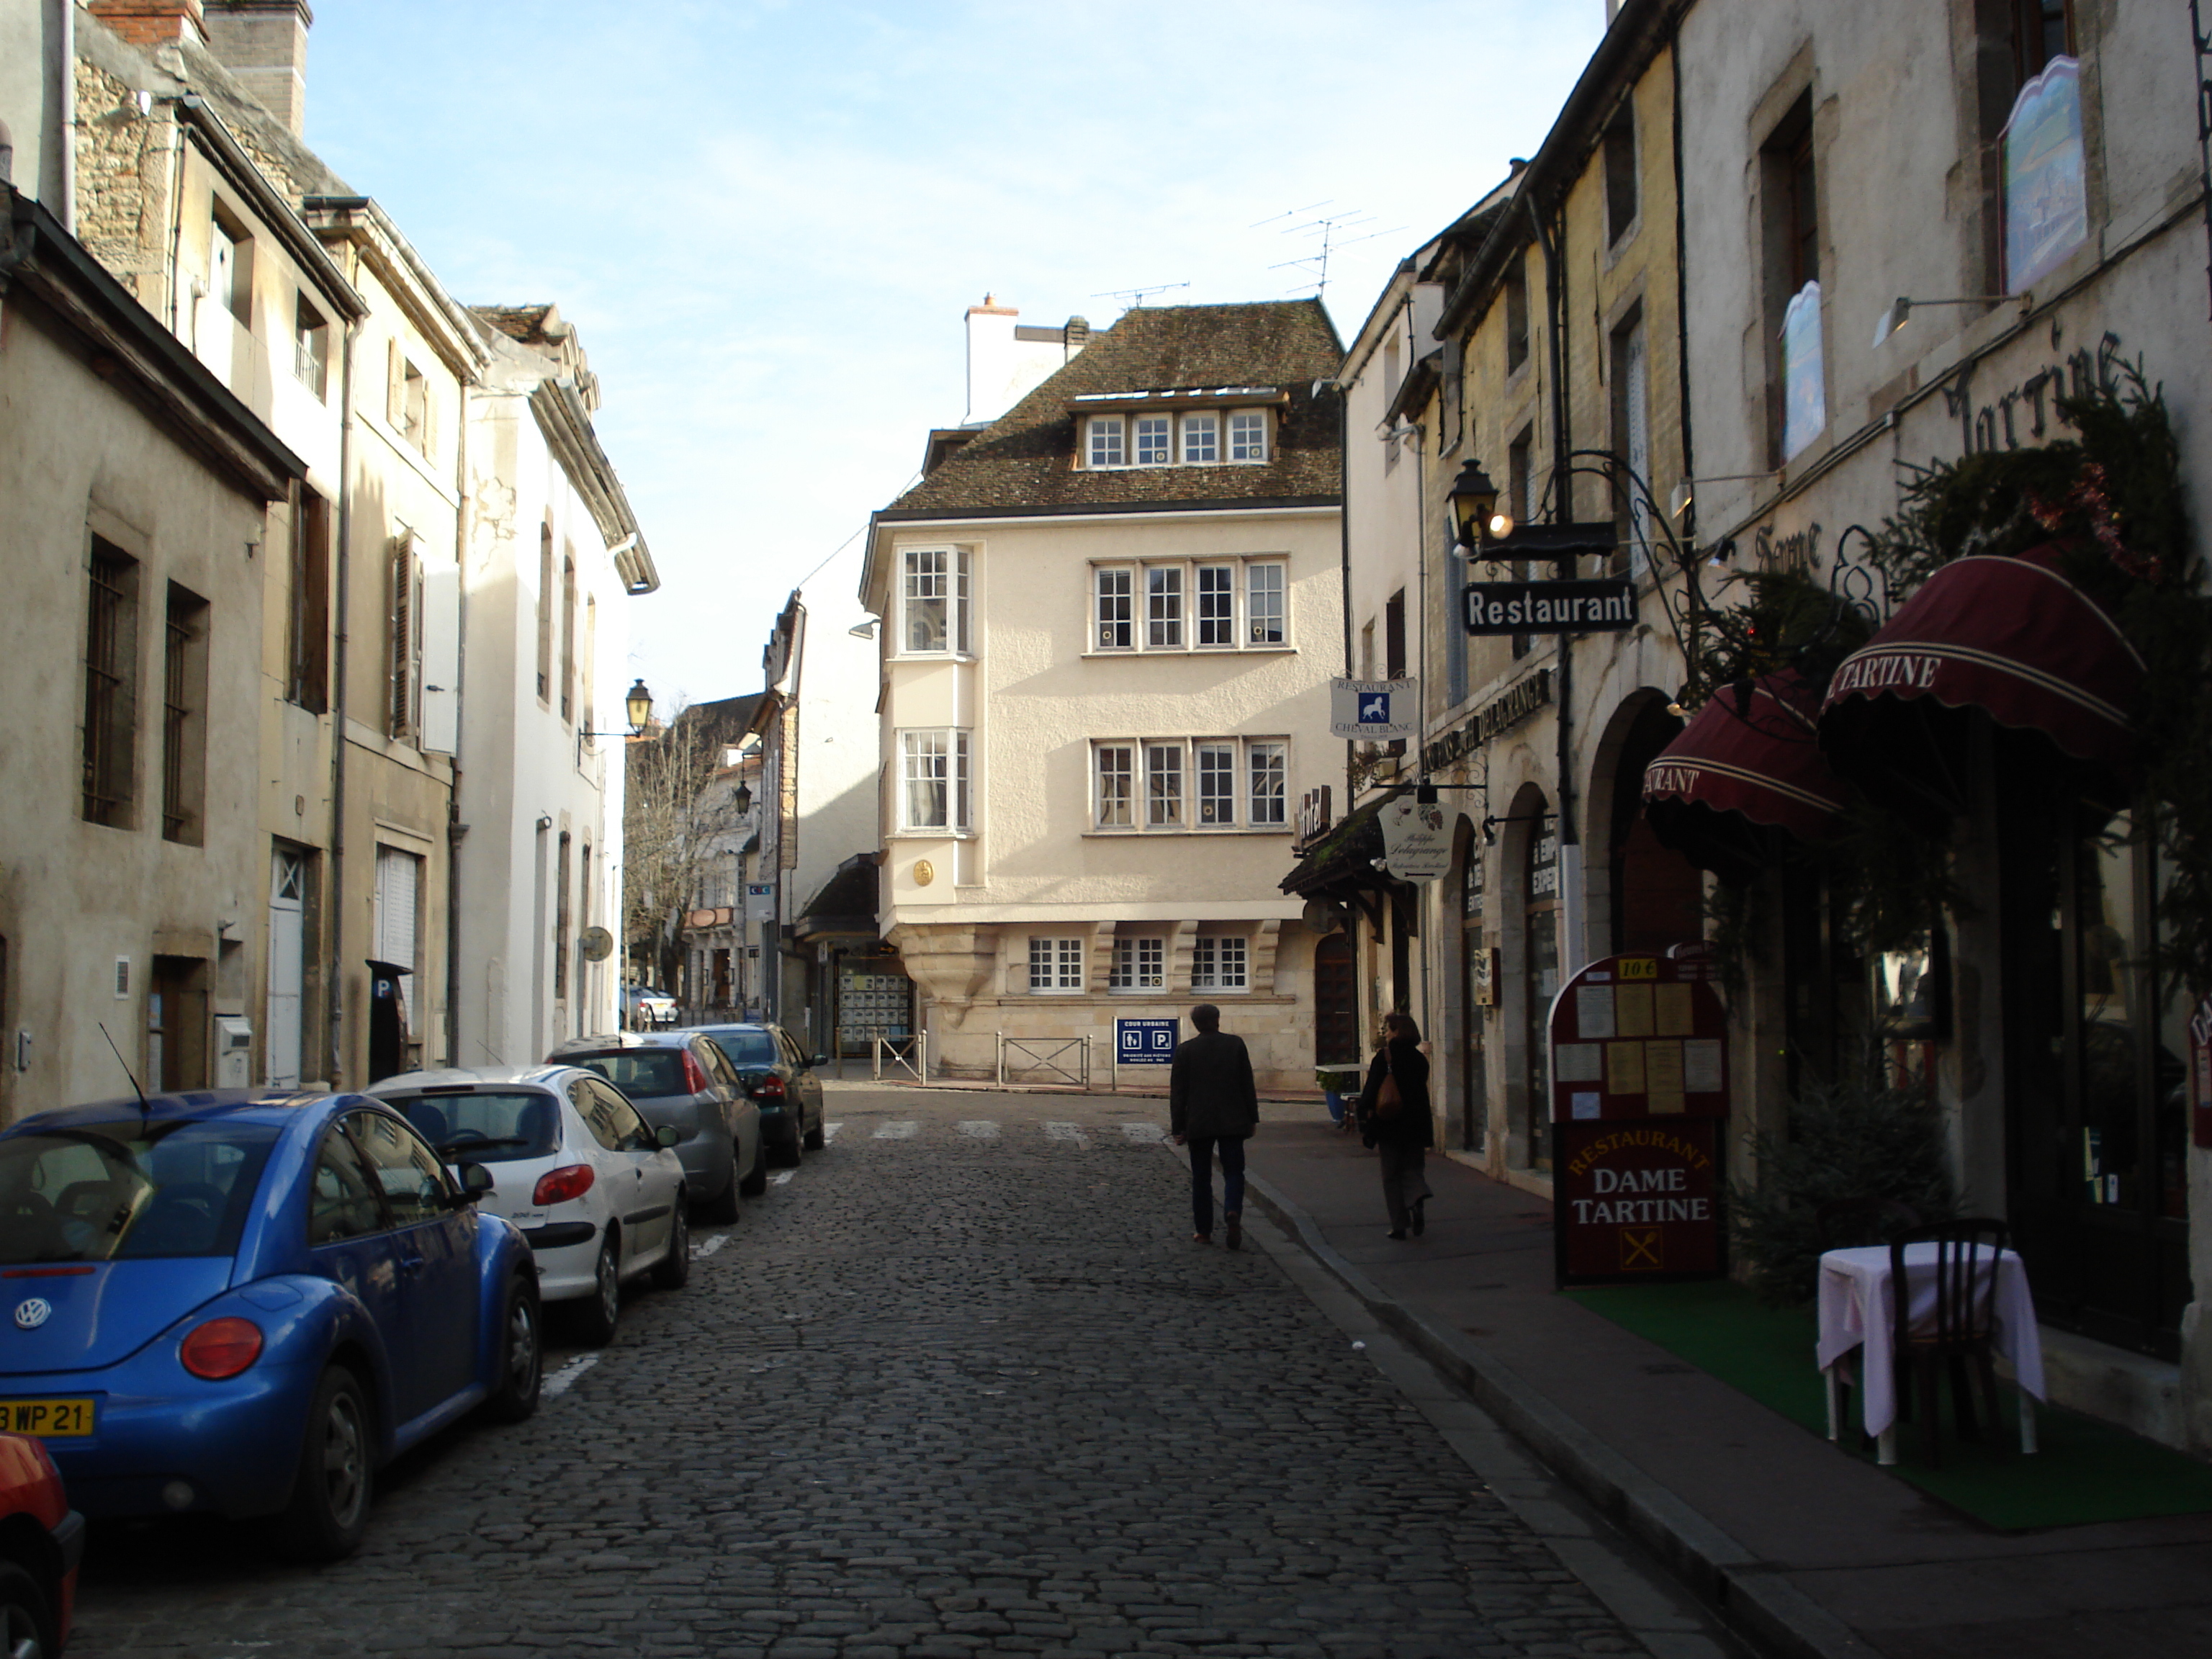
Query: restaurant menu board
(1639, 1100)
(1637, 1200)
(1639, 1037)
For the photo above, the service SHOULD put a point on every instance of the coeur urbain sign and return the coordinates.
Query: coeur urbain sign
(1605, 605)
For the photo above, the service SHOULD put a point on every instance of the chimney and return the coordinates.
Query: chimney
(151, 22)
(264, 44)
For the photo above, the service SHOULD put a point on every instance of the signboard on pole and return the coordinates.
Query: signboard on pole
(1601, 605)
(1416, 846)
(1639, 1081)
(1144, 1042)
(1374, 710)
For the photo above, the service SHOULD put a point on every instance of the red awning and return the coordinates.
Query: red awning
(1761, 761)
(2009, 637)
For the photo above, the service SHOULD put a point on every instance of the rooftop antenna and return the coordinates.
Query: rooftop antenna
(1329, 230)
(1135, 296)
(143, 1109)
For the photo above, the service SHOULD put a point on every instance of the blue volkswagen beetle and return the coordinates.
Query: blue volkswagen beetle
(246, 1302)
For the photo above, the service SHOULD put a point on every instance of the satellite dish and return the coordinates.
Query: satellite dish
(1323, 917)
(596, 944)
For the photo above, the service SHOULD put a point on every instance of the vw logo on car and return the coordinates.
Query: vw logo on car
(33, 1311)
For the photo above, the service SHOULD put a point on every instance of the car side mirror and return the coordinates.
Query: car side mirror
(819, 1059)
(475, 1183)
(667, 1135)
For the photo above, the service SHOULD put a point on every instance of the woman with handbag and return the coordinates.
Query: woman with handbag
(1394, 1118)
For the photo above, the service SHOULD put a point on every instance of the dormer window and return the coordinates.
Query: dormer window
(1106, 441)
(1125, 433)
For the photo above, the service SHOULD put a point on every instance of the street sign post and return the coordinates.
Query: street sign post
(1144, 1042)
(1639, 1085)
(1374, 709)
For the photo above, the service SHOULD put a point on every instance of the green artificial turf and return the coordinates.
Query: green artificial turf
(2086, 1470)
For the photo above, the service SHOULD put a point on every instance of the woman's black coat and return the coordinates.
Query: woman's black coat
(1412, 1127)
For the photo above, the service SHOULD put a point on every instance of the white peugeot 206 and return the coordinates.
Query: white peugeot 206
(594, 1187)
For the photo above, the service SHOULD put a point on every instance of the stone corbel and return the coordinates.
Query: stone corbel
(1176, 963)
(1265, 938)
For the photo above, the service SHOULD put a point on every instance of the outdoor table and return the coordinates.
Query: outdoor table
(1857, 1310)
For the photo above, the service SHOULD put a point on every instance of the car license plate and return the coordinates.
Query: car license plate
(49, 1420)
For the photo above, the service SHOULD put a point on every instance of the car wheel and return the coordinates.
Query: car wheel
(521, 1353)
(26, 1621)
(598, 1314)
(329, 1511)
(673, 1270)
(756, 1181)
(816, 1139)
(722, 1208)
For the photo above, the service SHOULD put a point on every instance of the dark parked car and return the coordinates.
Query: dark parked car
(41, 1539)
(781, 1078)
(681, 1079)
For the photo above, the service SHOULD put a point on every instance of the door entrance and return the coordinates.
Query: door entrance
(288, 967)
(1336, 1002)
(2096, 1095)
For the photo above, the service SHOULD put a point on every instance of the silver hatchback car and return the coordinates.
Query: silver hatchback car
(681, 1079)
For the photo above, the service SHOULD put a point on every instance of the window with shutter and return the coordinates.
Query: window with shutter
(405, 669)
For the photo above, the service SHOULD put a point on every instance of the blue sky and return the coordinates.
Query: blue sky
(767, 219)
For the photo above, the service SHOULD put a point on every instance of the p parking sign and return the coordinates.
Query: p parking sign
(1144, 1042)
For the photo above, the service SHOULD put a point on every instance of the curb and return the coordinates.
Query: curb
(1749, 1593)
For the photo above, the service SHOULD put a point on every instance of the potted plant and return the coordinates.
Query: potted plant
(1339, 1087)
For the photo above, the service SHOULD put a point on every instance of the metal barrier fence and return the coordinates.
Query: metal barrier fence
(1064, 1059)
(909, 1054)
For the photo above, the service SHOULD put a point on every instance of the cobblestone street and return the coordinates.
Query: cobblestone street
(960, 1384)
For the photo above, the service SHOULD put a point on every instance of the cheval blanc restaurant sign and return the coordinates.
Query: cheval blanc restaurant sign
(1606, 605)
(1639, 1112)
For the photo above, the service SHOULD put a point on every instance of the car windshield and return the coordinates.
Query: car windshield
(636, 1072)
(125, 1190)
(745, 1048)
(486, 1126)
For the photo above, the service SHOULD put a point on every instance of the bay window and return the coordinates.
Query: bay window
(934, 777)
(933, 598)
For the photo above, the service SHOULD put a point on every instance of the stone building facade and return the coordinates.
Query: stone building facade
(1109, 621)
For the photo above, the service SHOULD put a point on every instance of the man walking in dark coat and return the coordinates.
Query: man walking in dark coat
(1212, 1102)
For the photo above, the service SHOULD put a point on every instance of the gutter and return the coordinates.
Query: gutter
(472, 349)
(240, 172)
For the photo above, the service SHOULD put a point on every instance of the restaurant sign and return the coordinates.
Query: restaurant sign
(1601, 605)
(1639, 1079)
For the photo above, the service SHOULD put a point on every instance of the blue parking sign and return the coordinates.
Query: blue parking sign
(1146, 1041)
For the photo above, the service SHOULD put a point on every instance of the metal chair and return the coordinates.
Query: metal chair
(1961, 1329)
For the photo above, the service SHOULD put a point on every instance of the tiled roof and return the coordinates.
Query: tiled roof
(1025, 459)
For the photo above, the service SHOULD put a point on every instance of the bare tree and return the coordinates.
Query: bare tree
(679, 818)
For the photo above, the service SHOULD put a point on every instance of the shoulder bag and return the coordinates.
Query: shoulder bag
(1387, 1100)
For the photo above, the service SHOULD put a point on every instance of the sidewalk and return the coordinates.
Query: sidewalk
(1804, 1551)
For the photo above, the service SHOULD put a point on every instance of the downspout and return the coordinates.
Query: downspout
(1681, 286)
(1562, 513)
(336, 911)
(455, 830)
(1344, 556)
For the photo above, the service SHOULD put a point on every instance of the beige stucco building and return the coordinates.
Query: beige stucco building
(1109, 618)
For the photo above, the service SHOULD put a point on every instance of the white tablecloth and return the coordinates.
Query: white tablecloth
(1857, 1310)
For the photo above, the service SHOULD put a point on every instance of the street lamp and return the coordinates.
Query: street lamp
(1476, 515)
(637, 708)
(743, 800)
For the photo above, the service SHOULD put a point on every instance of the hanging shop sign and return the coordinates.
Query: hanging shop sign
(1416, 846)
(1640, 1109)
(1502, 713)
(1602, 606)
(1374, 709)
